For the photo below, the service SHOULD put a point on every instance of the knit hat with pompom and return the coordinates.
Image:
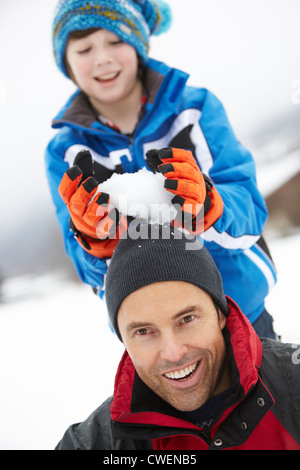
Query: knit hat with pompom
(133, 21)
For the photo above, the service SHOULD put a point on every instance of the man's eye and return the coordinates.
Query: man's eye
(142, 331)
(187, 318)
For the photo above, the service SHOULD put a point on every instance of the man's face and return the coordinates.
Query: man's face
(173, 335)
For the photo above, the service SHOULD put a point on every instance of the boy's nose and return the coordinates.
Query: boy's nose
(103, 57)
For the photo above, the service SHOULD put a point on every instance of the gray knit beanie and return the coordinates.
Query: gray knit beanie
(161, 253)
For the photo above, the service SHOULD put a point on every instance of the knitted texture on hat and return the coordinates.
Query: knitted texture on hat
(159, 256)
(133, 21)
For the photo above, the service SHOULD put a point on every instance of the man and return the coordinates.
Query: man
(194, 374)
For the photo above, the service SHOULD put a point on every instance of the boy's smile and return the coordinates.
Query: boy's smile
(107, 78)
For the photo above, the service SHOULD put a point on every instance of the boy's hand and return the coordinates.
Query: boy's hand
(96, 224)
(198, 202)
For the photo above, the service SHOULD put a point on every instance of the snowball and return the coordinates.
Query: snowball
(140, 195)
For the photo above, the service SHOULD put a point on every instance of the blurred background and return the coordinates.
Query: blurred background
(57, 355)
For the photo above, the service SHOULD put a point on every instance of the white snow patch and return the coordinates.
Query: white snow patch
(283, 301)
(58, 360)
(140, 195)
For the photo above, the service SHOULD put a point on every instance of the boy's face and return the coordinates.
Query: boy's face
(103, 66)
(173, 335)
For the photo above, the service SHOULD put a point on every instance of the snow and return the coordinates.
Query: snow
(58, 356)
(283, 301)
(141, 195)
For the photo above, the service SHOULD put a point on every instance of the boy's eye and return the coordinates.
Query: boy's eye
(84, 51)
(116, 41)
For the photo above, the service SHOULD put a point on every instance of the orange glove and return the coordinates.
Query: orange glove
(96, 224)
(198, 202)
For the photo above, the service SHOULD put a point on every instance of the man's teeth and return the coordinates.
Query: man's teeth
(181, 374)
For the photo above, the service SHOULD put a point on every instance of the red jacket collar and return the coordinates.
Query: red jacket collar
(247, 353)
(246, 346)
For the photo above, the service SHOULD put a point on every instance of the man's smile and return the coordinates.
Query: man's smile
(182, 374)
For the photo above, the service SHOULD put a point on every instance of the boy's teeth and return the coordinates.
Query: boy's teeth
(109, 76)
(180, 374)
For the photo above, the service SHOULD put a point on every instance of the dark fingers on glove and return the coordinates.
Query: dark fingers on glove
(198, 203)
(84, 160)
(183, 176)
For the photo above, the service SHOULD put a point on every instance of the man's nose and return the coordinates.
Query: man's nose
(172, 349)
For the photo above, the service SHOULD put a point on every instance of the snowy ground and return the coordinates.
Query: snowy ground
(283, 302)
(58, 357)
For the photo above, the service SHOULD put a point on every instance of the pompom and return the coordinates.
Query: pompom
(164, 17)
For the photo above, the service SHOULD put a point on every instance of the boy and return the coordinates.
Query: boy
(126, 105)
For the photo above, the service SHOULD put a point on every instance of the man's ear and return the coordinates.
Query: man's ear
(222, 319)
(221, 316)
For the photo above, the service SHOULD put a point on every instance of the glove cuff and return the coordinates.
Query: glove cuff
(97, 247)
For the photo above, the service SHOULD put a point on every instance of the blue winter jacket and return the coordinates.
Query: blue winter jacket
(180, 116)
